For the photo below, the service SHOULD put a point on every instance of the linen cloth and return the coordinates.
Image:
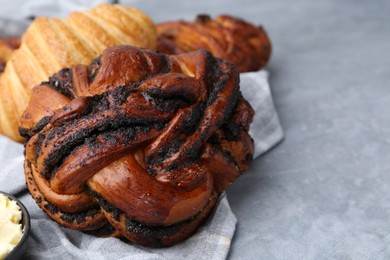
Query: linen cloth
(212, 241)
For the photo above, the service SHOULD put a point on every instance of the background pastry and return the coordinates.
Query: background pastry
(142, 145)
(7, 47)
(227, 37)
(50, 44)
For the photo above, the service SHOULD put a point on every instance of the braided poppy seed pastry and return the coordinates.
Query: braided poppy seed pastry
(50, 44)
(227, 37)
(143, 144)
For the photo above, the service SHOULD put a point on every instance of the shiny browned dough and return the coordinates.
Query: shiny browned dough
(227, 37)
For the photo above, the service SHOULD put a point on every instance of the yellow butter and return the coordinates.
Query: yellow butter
(5, 248)
(10, 227)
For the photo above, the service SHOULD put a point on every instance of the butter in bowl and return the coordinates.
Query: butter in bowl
(14, 227)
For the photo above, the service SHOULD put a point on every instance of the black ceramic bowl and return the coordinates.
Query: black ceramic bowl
(20, 248)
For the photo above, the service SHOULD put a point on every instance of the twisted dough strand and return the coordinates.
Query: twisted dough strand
(227, 37)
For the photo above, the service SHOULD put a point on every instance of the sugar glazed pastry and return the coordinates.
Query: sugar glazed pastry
(50, 44)
(227, 37)
(137, 144)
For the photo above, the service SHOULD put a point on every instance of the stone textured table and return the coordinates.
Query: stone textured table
(324, 192)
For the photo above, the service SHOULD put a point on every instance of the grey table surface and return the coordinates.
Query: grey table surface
(324, 192)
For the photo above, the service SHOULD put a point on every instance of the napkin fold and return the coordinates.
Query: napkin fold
(212, 241)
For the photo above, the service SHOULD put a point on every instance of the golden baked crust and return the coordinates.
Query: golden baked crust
(50, 44)
(7, 47)
(141, 140)
(227, 37)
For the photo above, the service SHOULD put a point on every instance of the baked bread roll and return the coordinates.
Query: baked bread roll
(50, 44)
(227, 37)
(7, 47)
(137, 144)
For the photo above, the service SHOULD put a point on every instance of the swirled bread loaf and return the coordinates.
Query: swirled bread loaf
(227, 37)
(137, 144)
(50, 44)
